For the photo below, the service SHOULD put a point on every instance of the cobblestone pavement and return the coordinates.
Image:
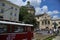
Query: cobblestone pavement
(57, 38)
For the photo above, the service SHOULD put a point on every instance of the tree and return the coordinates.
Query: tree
(22, 13)
(26, 17)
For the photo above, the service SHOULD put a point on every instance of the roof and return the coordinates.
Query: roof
(40, 15)
(55, 19)
(10, 3)
(14, 22)
(29, 6)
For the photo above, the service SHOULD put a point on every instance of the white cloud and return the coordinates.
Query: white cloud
(53, 12)
(38, 11)
(35, 3)
(20, 2)
(55, 17)
(45, 8)
(50, 12)
(41, 10)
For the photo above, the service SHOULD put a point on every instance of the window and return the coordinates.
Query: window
(15, 14)
(38, 23)
(45, 21)
(3, 28)
(15, 8)
(42, 22)
(11, 13)
(11, 7)
(59, 22)
(1, 16)
(48, 22)
(38, 17)
(2, 11)
(18, 29)
(45, 17)
(3, 4)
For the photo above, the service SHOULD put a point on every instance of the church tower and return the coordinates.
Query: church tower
(30, 8)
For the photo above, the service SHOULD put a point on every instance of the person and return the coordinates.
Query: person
(57, 31)
(50, 31)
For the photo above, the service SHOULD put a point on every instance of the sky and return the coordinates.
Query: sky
(51, 7)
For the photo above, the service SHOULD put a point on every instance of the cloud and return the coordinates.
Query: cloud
(53, 12)
(50, 12)
(45, 8)
(35, 3)
(41, 10)
(38, 11)
(55, 17)
(56, 12)
(20, 2)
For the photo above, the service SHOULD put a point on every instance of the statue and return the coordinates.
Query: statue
(28, 3)
(55, 24)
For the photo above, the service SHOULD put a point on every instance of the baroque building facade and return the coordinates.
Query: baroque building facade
(9, 11)
(45, 21)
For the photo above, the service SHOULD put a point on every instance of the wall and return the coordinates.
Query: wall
(7, 11)
(42, 18)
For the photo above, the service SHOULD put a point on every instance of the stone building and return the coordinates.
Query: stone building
(57, 21)
(45, 21)
(9, 11)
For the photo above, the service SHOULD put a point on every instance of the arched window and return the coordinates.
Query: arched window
(48, 22)
(42, 22)
(45, 21)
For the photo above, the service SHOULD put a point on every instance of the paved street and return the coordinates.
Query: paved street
(57, 38)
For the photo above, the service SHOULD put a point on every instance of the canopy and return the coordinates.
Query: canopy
(13, 23)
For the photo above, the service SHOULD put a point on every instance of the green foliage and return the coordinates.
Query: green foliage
(50, 37)
(22, 13)
(26, 17)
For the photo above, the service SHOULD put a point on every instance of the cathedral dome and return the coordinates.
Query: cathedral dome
(30, 8)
